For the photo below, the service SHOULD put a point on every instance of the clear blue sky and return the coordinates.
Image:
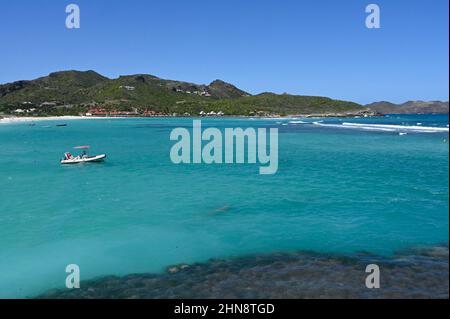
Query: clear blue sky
(310, 47)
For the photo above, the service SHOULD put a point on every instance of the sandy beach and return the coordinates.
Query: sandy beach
(15, 119)
(10, 120)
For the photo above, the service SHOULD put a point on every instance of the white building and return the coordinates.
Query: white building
(126, 87)
(48, 104)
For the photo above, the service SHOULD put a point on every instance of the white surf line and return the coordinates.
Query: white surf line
(341, 126)
(299, 122)
(399, 127)
(386, 127)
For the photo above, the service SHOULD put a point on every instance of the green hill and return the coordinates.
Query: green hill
(71, 92)
(70, 86)
(284, 104)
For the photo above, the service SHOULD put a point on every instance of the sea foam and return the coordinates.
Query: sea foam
(387, 127)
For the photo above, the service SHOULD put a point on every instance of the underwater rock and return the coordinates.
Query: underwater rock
(419, 273)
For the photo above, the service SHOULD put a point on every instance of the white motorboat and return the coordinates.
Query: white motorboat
(83, 158)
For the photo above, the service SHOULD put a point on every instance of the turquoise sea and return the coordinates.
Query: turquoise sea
(339, 189)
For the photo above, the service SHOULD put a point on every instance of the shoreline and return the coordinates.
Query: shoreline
(5, 119)
(27, 119)
(24, 119)
(421, 272)
(15, 119)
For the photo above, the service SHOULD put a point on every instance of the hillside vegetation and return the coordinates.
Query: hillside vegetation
(72, 92)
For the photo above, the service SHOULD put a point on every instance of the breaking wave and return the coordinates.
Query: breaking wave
(388, 127)
(299, 122)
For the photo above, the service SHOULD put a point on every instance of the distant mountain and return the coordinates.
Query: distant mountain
(71, 92)
(410, 107)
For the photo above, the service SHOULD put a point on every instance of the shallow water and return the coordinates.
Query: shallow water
(337, 190)
(420, 273)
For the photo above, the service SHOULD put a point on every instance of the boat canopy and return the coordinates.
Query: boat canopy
(83, 147)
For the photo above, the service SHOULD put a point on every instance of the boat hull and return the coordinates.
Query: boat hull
(92, 159)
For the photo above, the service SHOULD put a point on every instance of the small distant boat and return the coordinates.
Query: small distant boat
(83, 158)
(61, 125)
